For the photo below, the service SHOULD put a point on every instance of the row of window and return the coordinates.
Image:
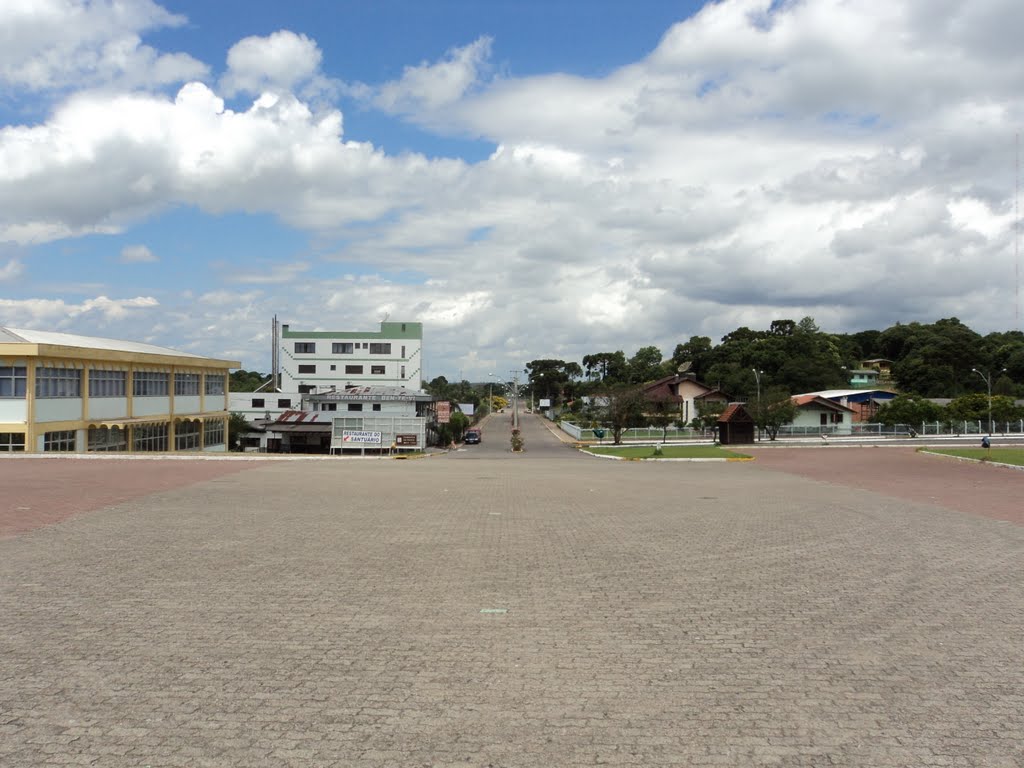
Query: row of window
(67, 382)
(352, 370)
(347, 348)
(188, 436)
(286, 402)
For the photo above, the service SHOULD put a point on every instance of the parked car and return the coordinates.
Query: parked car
(472, 437)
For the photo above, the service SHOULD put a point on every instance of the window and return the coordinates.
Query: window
(342, 348)
(12, 441)
(59, 441)
(187, 435)
(355, 406)
(376, 406)
(58, 382)
(353, 369)
(334, 367)
(377, 370)
(403, 327)
(150, 384)
(215, 384)
(328, 406)
(305, 347)
(13, 382)
(186, 383)
(107, 439)
(403, 371)
(365, 345)
(837, 418)
(380, 349)
(213, 433)
(307, 369)
(284, 402)
(305, 389)
(149, 437)
(824, 419)
(403, 350)
(258, 402)
(108, 383)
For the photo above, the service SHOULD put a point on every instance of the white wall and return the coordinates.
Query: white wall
(58, 409)
(108, 407)
(13, 411)
(188, 404)
(151, 406)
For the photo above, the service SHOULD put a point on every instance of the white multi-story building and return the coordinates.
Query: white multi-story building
(316, 362)
(312, 362)
(64, 392)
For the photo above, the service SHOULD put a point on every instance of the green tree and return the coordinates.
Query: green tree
(237, 428)
(610, 367)
(625, 410)
(775, 409)
(246, 381)
(645, 365)
(662, 413)
(553, 379)
(909, 409)
(708, 412)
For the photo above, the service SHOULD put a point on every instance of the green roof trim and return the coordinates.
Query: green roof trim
(387, 332)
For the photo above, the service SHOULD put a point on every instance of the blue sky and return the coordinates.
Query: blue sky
(529, 179)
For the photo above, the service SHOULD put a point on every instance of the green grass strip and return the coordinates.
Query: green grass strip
(667, 452)
(999, 455)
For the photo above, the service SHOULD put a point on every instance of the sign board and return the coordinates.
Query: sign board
(466, 408)
(444, 412)
(545, 402)
(407, 439)
(353, 436)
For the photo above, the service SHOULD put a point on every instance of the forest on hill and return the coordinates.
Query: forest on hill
(944, 359)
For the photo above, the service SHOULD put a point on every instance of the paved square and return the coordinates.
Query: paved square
(349, 613)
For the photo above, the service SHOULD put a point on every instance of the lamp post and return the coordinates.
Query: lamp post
(490, 396)
(757, 377)
(988, 383)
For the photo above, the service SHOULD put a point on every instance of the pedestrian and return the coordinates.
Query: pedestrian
(985, 442)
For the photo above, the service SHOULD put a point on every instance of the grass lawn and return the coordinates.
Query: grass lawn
(667, 452)
(1001, 455)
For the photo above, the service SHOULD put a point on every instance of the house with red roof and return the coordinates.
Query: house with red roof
(815, 412)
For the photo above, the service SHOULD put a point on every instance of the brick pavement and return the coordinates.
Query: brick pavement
(329, 614)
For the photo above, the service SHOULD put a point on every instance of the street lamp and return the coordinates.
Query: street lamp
(757, 377)
(490, 396)
(988, 383)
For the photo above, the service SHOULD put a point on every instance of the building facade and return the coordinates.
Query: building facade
(352, 420)
(61, 392)
(315, 361)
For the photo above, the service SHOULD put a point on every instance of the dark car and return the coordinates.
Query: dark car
(472, 437)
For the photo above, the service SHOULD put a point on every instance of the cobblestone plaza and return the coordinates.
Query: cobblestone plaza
(488, 609)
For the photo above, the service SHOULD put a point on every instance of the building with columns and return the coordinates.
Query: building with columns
(60, 392)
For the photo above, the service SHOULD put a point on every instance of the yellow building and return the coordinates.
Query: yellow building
(63, 392)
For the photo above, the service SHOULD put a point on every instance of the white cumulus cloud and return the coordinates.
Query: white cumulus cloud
(58, 43)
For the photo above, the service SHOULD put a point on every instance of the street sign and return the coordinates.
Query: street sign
(407, 439)
(353, 436)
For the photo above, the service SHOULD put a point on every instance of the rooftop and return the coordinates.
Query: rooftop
(55, 338)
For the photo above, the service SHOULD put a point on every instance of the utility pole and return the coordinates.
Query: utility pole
(515, 399)
(757, 375)
(988, 383)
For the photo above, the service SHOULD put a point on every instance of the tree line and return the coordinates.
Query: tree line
(931, 360)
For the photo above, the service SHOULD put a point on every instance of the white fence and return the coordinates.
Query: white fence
(858, 429)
